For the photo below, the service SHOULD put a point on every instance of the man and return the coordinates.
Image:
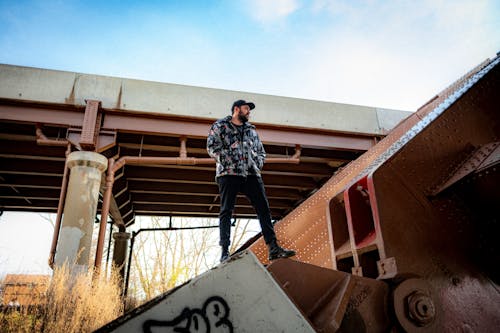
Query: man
(239, 153)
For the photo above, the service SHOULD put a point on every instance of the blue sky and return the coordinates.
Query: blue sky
(392, 54)
(389, 54)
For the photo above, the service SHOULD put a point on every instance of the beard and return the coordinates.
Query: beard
(243, 118)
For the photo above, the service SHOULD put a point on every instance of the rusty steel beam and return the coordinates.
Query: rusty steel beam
(302, 169)
(6, 190)
(91, 125)
(51, 181)
(187, 214)
(308, 169)
(320, 156)
(150, 161)
(44, 188)
(106, 203)
(240, 203)
(30, 173)
(18, 137)
(336, 301)
(190, 176)
(197, 200)
(27, 197)
(13, 165)
(60, 206)
(24, 208)
(139, 124)
(247, 210)
(181, 127)
(213, 214)
(27, 148)
(207, 190)
(35, 203)
(50, 116)
(42, 140)
(270, 182)
(482, 158)
(32, 157)
(402, 213)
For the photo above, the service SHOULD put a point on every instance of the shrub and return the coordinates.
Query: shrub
(74, 302)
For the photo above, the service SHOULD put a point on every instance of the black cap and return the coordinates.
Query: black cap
(239, 103)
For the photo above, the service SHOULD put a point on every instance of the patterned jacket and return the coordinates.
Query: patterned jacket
(235, 156)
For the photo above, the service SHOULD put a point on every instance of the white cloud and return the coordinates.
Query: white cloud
(268, 11)
(396, 54)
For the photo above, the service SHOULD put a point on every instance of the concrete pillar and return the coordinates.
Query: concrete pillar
(80, 208)
(120, 251)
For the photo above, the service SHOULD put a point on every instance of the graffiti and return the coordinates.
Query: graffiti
(211, 318)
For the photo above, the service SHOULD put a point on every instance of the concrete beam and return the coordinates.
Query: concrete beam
(59, 87)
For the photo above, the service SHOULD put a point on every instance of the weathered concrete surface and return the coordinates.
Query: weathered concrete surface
(239, 295)
(388, 119)
(49, 86)
(80, 208)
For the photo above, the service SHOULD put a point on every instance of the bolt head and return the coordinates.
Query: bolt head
(420, 308)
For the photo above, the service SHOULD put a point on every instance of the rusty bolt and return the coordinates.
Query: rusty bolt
(421, 308)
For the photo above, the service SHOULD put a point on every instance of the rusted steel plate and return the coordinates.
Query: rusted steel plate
(394, 220)
(91, 125)
(482, 158)
(311, 214)
(332, 300)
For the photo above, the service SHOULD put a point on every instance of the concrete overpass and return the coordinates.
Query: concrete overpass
(150, 137)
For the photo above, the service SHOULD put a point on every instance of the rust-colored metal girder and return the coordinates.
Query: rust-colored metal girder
(334, 301)
(91, 125)
(386, 216)
(129, 122)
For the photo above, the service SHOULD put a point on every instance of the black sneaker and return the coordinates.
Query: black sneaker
(279, 252)
(224, 256)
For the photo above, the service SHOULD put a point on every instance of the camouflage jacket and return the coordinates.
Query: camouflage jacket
(235, 156)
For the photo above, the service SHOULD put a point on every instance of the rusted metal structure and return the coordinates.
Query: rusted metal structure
(418, 211)
(157, 162)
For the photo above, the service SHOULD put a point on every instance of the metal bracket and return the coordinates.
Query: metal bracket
(91, 125)
(387, 268)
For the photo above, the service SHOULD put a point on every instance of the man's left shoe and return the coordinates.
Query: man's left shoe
(224, 255)
(277, 252)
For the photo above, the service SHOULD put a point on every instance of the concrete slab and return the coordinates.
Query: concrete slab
(388, 119)
(239, 295)
(33, 84)
(59, 87)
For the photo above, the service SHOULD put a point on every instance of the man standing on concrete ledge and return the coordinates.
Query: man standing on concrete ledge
(239, 153)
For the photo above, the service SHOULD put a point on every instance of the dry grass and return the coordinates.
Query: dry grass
(73, 303)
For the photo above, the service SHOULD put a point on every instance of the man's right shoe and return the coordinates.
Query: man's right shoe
(277, 252)
(224, 256)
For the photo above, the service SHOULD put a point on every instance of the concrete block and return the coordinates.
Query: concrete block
(34, 84)
(388, 119)
(237, 296)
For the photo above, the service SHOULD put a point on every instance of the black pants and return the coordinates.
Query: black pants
(253, 188)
